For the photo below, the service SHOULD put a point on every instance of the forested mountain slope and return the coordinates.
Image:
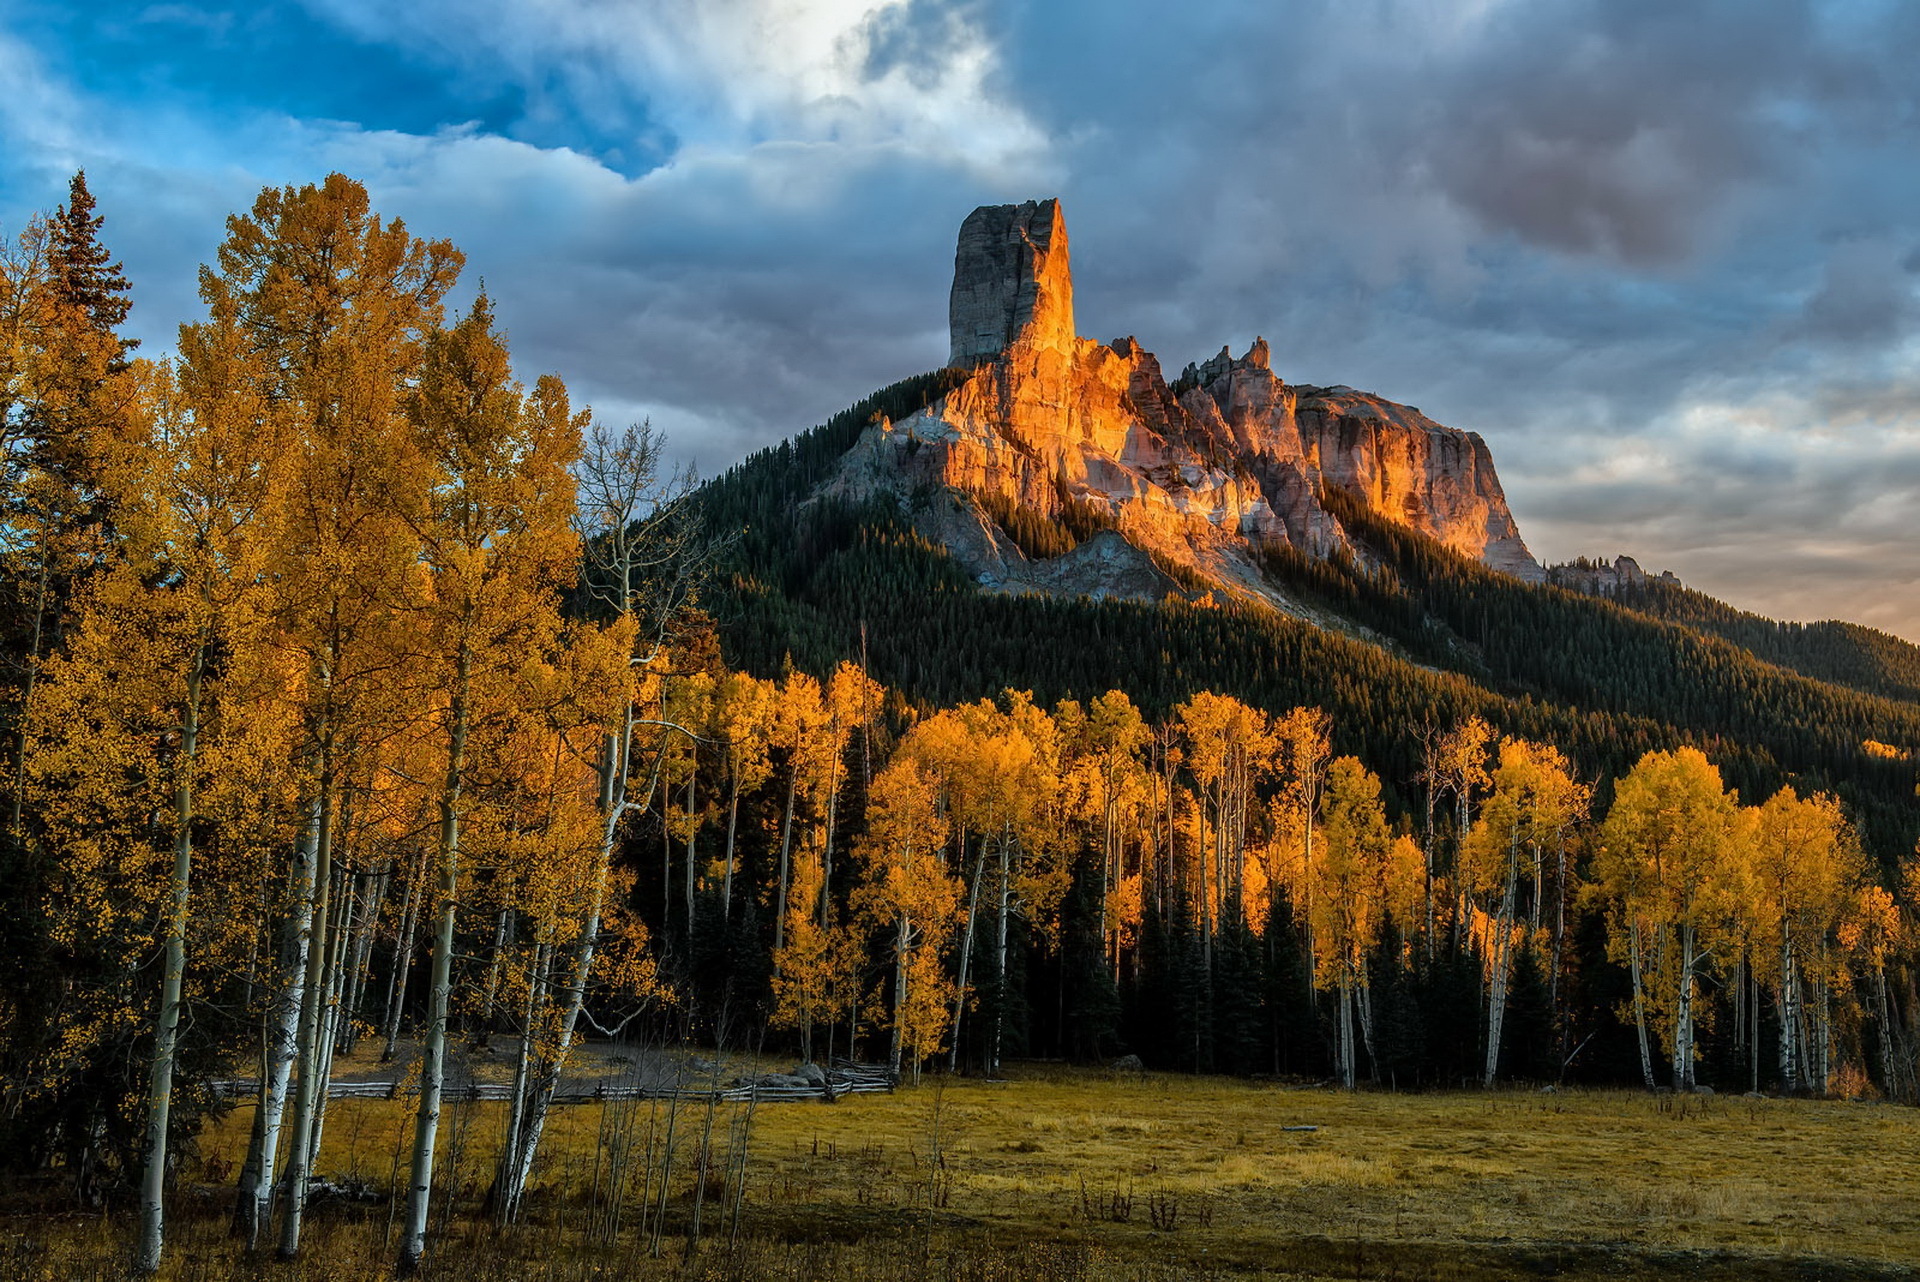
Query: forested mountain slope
(1422, 636)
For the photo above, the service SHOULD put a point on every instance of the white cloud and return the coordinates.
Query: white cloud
(727, 74)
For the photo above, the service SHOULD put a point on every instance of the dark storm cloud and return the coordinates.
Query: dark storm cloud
(1663, 256)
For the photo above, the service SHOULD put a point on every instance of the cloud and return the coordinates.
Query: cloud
(1662, 257)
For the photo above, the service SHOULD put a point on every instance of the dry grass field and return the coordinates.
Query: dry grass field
(1058, 1174)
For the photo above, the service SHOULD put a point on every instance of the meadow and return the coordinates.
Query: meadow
(1057, 1173)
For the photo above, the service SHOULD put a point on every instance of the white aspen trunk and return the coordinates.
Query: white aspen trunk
(403, 957)
(616, 754)
(1740, 1001)
(1539, 877)
(506, 1181)
(1000, 949)
(693, 825)
(733, 822)
(413, 1242)
(786, 853)
(1427, 859)
(1363, 998)
(1306, 879)
(1346, 1027)
(1640, 1005)
(1883, 1015)
(1559, 937)
(375, 900)
(826, 845)
(258, 1176)
(166, 1027)
(299, 1155)
(966, 950)
(1502, 949)
(1109, 874)
(1789, 1001)
(502, 924)
(335, 1016)
(1824, 1046)
(1683, 1015)
(899, 991)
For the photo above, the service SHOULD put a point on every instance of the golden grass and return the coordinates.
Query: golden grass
(1188, 1174)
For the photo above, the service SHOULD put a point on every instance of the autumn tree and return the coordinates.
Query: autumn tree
(497, 546)
(1663, 857)
(1351, 881)
(1804, 875)
(643, 566)
(1533, 805)
(320, 307)
(909, 891)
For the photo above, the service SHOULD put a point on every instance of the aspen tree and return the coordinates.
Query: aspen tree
(1305, 748)
(1534, 801)
(497, 546)
(908, 890)
(1352, 876)
(1664, 851)
(173, 637)
(328, 302)
(1230, 750)
(1105, 772)
(743, 718)
(1804, 872)
(1461, 769)
(1874, 934)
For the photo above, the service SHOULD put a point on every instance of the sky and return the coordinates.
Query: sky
(1663, 256)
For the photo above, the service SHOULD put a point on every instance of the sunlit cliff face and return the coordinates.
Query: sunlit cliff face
(1203, 473)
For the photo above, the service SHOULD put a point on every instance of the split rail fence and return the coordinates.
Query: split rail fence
(843, 1079)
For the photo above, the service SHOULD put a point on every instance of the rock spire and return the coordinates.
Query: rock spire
(1012, 282)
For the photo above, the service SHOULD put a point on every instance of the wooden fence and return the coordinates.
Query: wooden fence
(842, 1079)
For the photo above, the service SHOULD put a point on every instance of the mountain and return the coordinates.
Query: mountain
(1047, 513)
(1205, 475)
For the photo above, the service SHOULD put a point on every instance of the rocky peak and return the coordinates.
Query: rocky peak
(1012, 282)
(1203, 475)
